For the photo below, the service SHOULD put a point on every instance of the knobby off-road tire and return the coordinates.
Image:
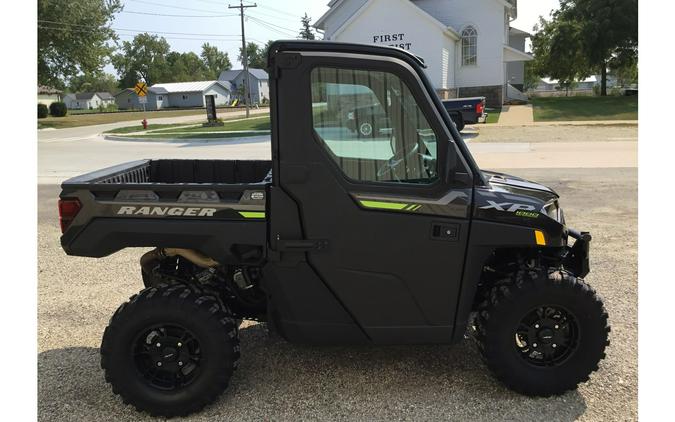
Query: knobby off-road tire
(569, 309)
(170, 350)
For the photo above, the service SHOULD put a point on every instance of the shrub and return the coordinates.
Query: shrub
(58, 109)
(43, 111)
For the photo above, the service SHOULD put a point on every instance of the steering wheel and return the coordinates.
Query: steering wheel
(396, 164)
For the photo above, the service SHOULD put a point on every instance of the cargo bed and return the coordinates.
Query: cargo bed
(216, 206)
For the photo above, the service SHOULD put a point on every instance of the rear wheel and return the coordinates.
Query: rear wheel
(542, 334)
(170, 350)
(458, 120)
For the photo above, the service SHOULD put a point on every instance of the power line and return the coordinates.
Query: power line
(263, 5)
(176, 16)
(272, 24)
(173, 7)
(50, 25)
(270, 28)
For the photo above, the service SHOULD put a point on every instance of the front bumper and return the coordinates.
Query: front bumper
(576, 259)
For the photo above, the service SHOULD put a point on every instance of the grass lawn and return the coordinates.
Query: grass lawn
(585, 108)
(254, 123)
(197, 135)
(493, 115)
(139, 128)
(87, 119)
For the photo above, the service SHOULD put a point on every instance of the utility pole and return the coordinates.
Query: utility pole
(247, 84)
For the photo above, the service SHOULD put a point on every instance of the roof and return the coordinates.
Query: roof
(176, 87)
(550, 81)
(516, 31)
(104, 95)
(230, 75)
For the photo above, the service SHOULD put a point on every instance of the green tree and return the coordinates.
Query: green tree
(94, 82)
(306, 32)
(144, 58)
(257, 57)
(531, 77)
(185, 67)
(73, 38)
(603, 32)
(558, 51)
(215, 60)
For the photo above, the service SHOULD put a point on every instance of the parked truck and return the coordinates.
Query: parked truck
(465, 111)
(336, 241)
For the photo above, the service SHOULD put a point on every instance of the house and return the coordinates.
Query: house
(176, 95)
(48, 95)
(468, 45)
(548, 84)
(258, 80)
(88, 100)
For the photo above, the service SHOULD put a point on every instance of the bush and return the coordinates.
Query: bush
(43, 111)
(58, 109)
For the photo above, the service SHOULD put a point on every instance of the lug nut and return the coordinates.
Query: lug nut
(180, 363)
(159, 363)
(158, 344)
(554, 345)
(536, 325)
(556, 327)
(534, 345)
(180, 344)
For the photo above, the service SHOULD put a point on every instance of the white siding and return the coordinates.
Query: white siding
(419, 35)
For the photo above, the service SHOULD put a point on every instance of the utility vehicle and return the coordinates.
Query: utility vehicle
(398, 239)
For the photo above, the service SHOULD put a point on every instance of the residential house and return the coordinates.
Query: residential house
(468, 45)
(88, 100)
(176, 95)
(258, 80)
(48, 95)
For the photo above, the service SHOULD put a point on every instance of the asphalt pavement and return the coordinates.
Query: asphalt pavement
(280, 381)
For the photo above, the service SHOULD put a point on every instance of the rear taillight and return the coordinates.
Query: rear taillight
(480, 107)
(68, 209)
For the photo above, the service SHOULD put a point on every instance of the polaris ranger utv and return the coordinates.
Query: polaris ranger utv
(394, 239)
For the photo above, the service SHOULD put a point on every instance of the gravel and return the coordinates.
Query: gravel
(280, 381)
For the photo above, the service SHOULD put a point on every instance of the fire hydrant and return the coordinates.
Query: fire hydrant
(145, 124)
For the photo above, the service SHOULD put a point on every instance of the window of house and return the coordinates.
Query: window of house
(160, 98)
(185, 97)
(372, 127)
(469, 46)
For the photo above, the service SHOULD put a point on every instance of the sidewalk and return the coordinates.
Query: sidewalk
(516, 115)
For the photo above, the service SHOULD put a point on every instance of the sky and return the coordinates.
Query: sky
(187, 24)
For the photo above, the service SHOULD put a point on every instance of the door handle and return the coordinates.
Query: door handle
(444, 231)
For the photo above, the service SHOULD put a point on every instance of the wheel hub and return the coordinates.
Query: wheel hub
(547, 336)
(167, 356)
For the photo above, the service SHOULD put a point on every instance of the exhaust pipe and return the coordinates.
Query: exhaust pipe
(152, 259)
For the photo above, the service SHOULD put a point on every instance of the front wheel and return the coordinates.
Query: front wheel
(542, 333)
(170, 350)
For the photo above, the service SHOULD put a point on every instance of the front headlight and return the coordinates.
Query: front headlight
(554, 211)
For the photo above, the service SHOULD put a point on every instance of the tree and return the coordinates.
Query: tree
(256, 56)
(73, 38)
(602, 32)
(184, 67)
(215, 60)
(306, 32)
(558, 52)
(94, 82)
(144, 58)
(531, 76)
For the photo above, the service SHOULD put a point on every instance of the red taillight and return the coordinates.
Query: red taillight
(480, 107)
(68, 209)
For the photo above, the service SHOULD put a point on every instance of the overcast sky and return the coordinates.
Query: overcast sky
(193, 22)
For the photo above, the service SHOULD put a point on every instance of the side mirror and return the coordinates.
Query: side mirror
(450, 163)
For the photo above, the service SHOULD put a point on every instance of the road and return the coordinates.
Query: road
(281, 381)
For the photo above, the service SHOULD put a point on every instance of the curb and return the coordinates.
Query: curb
(181, 141)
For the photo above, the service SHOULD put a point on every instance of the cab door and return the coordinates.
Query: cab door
(363, 152)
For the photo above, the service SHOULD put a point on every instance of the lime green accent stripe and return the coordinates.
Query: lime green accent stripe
(252, 214)
(384, 205)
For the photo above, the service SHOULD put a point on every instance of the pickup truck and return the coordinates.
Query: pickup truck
(395, 239)
(465, 111)
(371, 120)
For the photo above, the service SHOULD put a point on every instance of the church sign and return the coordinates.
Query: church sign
(393, 40)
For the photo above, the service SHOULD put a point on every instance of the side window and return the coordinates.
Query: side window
(372, 126)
